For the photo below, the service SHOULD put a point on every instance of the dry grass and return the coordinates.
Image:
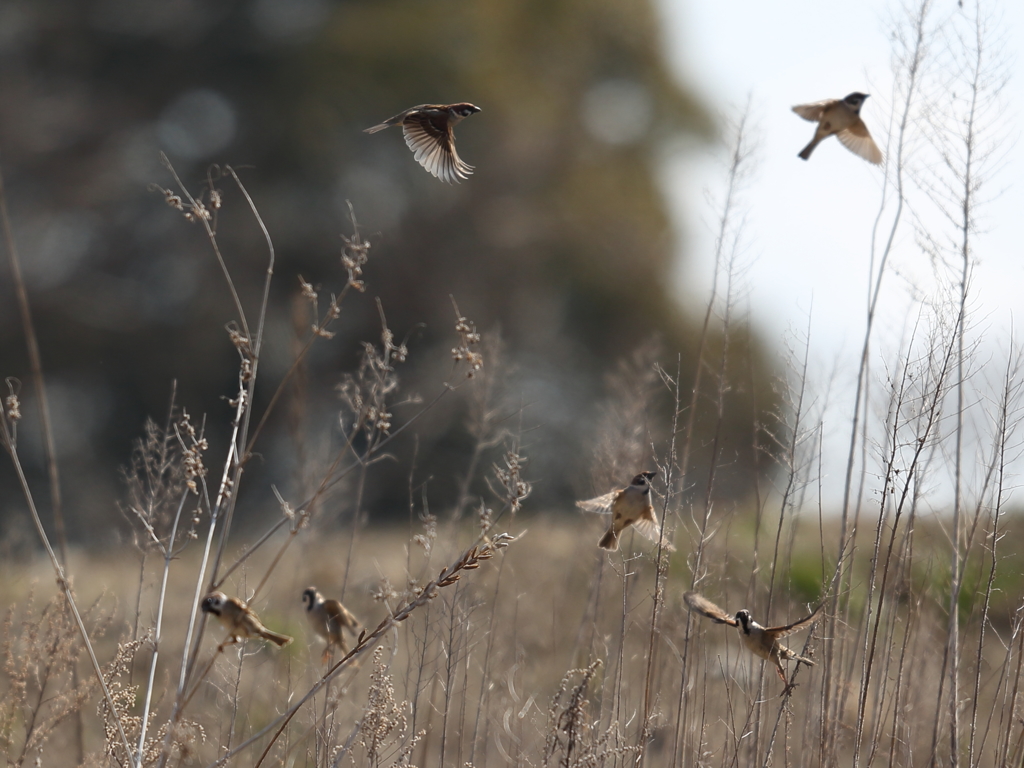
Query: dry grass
(479, 668)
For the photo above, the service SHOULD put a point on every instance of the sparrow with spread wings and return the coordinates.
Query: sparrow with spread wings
(428, 132)
(628, 506)
(841, 118)
(761, 641)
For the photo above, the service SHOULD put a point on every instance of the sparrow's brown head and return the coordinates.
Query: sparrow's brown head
(855, 100)
(463, 110)
(214, 603)
(309, 597)
(643, 479)
(743, 617)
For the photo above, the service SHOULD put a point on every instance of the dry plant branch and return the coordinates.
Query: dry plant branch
(39, 654)
(39, 386)
(195, 210)
(927, 414)
(36, 366)
(469, 560)
(485, 416)
(366, 398)
(726, 255)
(222, 510)
(62, 581)
(354, 256)
(792, 463)
(739, 163)
(963, 139)
(1008, 408)
(910, 56)
(568, 722)
(168, 554)
(663, 555)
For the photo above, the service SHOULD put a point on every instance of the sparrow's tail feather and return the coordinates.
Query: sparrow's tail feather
(277, 639)
(609, 541)
(376, 128)
(805, 153)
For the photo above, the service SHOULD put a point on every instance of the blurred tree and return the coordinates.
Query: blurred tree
(560, 238)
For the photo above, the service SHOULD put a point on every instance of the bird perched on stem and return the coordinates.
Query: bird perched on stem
(239, 619)
(328, 618)
(840, 117)
(761, 641)
(628, 506)
(428, 132)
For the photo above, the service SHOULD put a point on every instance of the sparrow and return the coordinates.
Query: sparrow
(629, 506)
(328, 617)
(239, 619)
(761, 641)
(841, 118)
(428, 132)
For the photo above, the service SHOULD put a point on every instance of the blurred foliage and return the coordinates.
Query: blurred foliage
(561, 239)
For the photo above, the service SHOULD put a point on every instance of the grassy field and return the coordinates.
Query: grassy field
(542, 655)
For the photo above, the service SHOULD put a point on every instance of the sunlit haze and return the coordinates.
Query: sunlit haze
(808, 225)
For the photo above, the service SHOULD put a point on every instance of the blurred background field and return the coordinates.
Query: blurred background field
(562, 240)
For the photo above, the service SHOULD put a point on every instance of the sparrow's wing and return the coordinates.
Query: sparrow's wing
(857, 139)
(602, 504)
(648, 528)
(454, 167)
(461, 168)
(343, 615)
(813, 110)
(432, 143)
(796, 626)
(426, 134)
(705, 607)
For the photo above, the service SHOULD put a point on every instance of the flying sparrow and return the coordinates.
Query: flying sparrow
(239, 619)
(842, 118)
(761, 641)
(328, 617)
(428, 132)
(629, 506)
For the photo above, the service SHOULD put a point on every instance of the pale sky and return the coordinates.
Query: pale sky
(808, 224)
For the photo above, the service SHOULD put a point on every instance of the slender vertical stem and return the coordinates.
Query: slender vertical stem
(168, 552)
(8, 443)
